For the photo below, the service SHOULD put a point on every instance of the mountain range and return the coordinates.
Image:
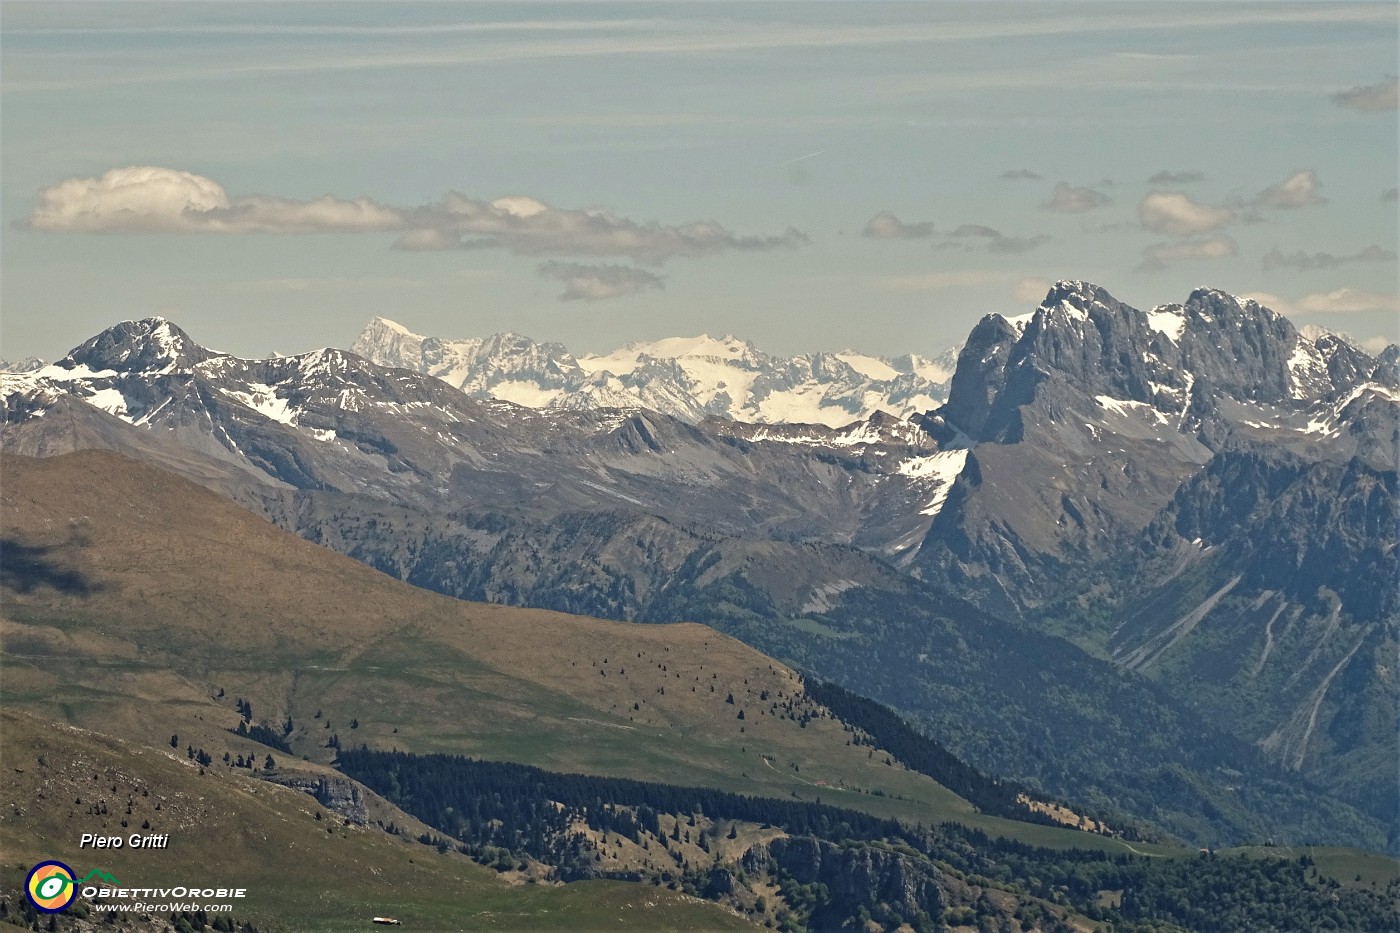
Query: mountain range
(1130, 560)
(690, 378)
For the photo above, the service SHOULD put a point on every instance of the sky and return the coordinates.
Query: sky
(813, 176)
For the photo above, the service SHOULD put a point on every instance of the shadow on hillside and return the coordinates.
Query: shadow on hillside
(25, 568)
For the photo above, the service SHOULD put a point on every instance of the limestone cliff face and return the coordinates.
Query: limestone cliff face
(862, 876)
(339, 795)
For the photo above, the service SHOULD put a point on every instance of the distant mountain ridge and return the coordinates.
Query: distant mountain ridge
(690, 378)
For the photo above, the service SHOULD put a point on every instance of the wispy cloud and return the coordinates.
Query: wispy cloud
(706, 37)
(1301, 189)
(1370, 98)
(886, 226)
(1017, 244)
(1067, 199)
(161, 200)
(341, 29)
(969, 231)
(596, 283)
(1276, 259)
(995, 240)
(1343, 300)
(801, 158)
(529, 227)
(1165, 177)
(1390, 194)
(1159, 255)
(1177, 214)
(1021, 174)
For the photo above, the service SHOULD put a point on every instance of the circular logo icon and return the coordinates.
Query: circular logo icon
(50, 886)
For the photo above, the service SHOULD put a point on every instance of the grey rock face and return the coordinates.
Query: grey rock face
(1086, 416)
(340, 795)
(855, 876)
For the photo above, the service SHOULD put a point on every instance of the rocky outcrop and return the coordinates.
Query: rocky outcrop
(340, 795)
(854, 876)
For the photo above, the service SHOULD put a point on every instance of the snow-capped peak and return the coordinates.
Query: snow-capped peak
(688, 377)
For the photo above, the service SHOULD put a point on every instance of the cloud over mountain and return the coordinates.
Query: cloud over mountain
(886, 226)
(1345, 300)
(595, 283)
(1068, 199)
(528, 227)
(1301, 189)
(1277, 259)
(1177, 214)
(996, 241)
(146, 199)
(1370, 98)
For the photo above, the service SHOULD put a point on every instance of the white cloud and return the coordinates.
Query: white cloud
(1374, 345)
(1031, 289)
(886, 226)
(1348, 300)
(1343, 300)
(1301, 189)
(1371, 98)
(595, 283)
(1276, 259)
(141, 199)
(1067, 199)
(1159, 255)
(1176, 214)
(148, 199)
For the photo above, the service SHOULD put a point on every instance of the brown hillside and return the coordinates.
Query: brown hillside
(132, 597)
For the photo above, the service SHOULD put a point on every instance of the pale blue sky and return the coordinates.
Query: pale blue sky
(758, 118)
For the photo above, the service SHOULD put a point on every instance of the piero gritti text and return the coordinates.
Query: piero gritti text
(134, 841)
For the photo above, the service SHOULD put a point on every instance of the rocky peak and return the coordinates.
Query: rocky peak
(1239, 347)
(151, 345)
(390, 344)
(1387, 368)
(1084, 341)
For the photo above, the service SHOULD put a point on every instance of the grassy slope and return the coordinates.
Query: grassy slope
(180, 593)
(233, 830)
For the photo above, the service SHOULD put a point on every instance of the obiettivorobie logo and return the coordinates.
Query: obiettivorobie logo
(52, 885)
